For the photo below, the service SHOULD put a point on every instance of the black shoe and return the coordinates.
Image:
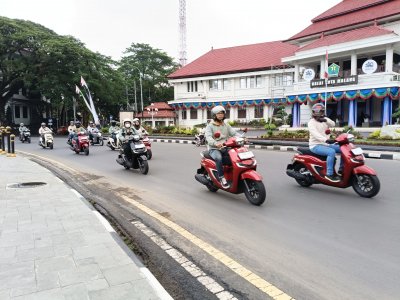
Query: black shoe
(332, 178)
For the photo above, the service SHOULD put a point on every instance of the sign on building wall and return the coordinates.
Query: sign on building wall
(333, 70)
(319, 83)
(308, 74)
(369, 66)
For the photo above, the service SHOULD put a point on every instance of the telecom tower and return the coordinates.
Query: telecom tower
(182, 32)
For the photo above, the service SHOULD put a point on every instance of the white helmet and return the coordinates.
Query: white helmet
(127, 121)
(22, 124)
(217, 109)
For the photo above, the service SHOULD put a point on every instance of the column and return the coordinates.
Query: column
(296, 115)
(389, 59)
(296, 73)
(353, 63)
(387, 111)
(352, 121)
(322, 68)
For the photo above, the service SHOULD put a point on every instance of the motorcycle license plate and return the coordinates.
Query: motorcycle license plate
(245, 155)
(357, 151)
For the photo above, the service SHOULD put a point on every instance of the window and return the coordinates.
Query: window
(25, 112)
(259, 111)
(209, 114)
(193, 114)
(283, 80)
(241, 113)
(228, 113)
(184, 114)
(191, 86)
(227, 84)
(250, 82)
(17, 111)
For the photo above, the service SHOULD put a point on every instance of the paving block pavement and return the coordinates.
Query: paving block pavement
(54, 245)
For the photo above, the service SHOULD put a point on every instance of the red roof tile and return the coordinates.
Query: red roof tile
(346, 7)
(237, 59)
(160, 114)
(160, 106)
(368, 14)
(343, 37)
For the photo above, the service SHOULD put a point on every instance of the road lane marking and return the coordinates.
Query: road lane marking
(243, 272)
(209, 283)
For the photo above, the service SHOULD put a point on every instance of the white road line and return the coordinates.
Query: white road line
(208, 282)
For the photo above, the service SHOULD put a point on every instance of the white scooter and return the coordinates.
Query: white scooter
(97, 139)
(47, 140)
(113, 144)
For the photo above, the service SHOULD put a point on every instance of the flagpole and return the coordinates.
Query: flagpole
(326, 79)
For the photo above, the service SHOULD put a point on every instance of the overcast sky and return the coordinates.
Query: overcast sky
(110, 27)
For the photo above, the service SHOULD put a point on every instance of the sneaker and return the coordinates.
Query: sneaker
(224, 183)
(332, 178)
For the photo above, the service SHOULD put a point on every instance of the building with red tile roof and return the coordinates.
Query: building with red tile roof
(360, 36)
(158, 114)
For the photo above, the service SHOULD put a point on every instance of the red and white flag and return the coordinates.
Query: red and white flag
(326, 65)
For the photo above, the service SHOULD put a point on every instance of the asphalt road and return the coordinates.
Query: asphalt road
(312, 243)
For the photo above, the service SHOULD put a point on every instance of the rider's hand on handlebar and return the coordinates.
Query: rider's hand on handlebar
(219, 145)
(330, 141)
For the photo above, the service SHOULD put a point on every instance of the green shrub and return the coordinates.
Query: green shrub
(104, 130)
(375, 135)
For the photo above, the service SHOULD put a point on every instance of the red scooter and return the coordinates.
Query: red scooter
(308, 168)
(241, 173)
(82, 145)
(147, 143)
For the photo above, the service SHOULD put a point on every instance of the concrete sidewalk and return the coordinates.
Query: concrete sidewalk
(54, 245)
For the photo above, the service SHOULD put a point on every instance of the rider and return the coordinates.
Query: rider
(71, 130)
(139, 128)
(90, 130)
(79, 129)
(113, 130)
(126, 130)
(21, 130)
(42, 130)
(217, 132)
(320, 142)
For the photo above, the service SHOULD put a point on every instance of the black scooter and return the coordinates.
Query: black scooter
(138, 158)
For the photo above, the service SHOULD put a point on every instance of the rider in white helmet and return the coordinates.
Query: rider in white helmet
(217, 132)
(139, 128)
(21, 129)
(320, 142)
(126, 130)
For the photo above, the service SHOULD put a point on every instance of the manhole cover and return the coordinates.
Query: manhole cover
(25, 185)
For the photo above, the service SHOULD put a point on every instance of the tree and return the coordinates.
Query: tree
(154, 66)
(44, 64)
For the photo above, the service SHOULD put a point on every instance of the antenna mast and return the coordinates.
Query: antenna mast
(182, 32)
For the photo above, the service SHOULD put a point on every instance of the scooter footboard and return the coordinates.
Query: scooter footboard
(364, 170)
(251, 174)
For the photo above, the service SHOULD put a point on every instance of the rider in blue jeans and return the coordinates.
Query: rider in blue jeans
(320, 142)
(217, 132)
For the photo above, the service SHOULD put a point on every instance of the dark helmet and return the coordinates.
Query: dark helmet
(113, 122)
(318, 110)
(78, 124)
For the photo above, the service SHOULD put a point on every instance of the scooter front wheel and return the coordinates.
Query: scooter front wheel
(144, 166)
(149, 154)
(254, 191)
(366, 185)
(86, 151)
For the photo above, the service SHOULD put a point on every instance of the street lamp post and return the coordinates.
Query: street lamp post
(141, 87)
(152, 111)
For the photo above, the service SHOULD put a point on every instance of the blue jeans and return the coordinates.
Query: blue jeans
(329, 151)
(220, 157)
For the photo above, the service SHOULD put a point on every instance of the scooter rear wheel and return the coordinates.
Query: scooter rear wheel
(366, 185)
(255, 191)
(300, 169)
(149, 154)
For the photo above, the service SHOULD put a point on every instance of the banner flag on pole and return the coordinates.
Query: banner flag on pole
(79, 92)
